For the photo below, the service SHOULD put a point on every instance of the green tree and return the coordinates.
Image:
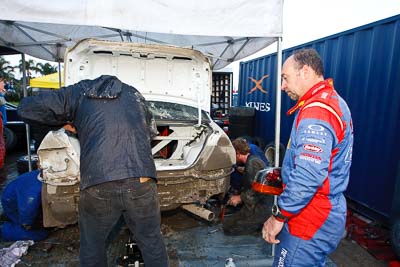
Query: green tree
(6, 70)
(45, 69)
(30, 67)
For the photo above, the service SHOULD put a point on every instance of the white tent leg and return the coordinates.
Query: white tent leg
(277, 113)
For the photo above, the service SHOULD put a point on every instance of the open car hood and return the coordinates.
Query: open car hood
(160, 73)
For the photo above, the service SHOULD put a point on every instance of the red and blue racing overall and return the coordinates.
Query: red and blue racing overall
(315, 174)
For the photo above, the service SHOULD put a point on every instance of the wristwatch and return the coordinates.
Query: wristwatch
(277, 213)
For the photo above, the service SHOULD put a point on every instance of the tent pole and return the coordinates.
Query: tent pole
(278, 113)
(223, 52)
(28, 138)
(240, 49)
(59, 74)
(59, 65)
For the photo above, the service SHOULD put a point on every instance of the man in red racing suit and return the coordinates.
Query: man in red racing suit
(309, 220)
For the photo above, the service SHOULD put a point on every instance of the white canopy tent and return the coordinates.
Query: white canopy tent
(224, 30)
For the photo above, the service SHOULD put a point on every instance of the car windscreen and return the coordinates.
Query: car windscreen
(173, 111)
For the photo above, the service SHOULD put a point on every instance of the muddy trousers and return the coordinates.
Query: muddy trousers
(100, 208)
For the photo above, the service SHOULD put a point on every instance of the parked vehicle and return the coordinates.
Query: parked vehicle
(193, 156)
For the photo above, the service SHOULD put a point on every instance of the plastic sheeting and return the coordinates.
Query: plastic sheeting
(206, 245)
(11, 256)
(226, 30)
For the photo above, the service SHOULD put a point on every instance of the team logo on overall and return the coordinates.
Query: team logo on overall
(310, 157)
(312, 148)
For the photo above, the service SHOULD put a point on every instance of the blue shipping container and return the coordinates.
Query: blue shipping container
(365, 65)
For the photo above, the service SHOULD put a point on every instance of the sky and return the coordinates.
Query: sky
(307, 20)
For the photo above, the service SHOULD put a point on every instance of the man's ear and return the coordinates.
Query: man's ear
(305, 72)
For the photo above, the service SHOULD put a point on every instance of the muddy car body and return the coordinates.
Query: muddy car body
(193, 156)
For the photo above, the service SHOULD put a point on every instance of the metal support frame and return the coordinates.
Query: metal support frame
(55, 40)
(59, 65)
(30, 37)
(239, 50)
(223, 52)
(128, 35)
(59, 74)
(277, 113)
(28, 135)
(230, 43)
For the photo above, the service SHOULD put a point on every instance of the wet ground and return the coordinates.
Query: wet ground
(190, 242)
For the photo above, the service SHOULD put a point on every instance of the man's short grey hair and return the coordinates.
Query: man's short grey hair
(311, 58)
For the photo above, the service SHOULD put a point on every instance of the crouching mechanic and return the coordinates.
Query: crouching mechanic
(256, 207)
(236, 175)
(21, 201)
(309, 220)
(117, 172)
